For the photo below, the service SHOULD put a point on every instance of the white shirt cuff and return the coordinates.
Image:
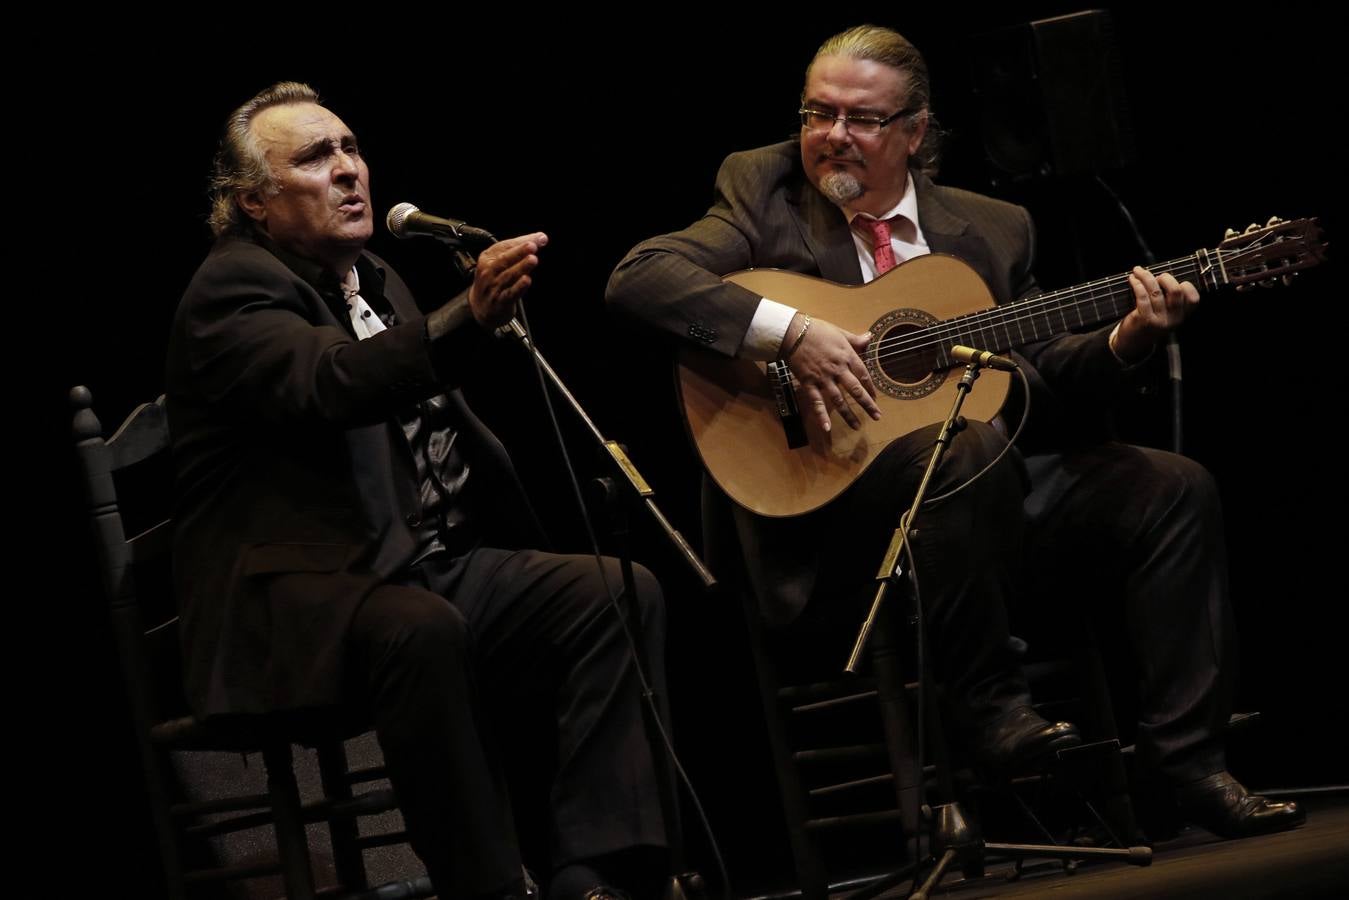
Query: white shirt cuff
(767, 330)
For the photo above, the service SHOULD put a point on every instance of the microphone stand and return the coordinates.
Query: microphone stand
(465, 264)
(619, 457)
(1174, 373)
(953, 840)
(684, 883)
(889, 571)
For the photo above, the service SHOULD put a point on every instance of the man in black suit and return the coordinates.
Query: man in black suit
(846, 201)
(344, 519)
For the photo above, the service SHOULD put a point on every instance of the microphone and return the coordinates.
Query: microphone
(982, 358)
(406, 220)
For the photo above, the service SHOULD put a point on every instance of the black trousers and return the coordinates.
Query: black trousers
(523, 634)
(1131, 538)
(966, 552)
(1134, 531)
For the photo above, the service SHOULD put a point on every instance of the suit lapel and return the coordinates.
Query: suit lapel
(827, 235)
(403, 307)
(829, 239)
(947, 232)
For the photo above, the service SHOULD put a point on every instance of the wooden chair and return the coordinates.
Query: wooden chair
(129, 486)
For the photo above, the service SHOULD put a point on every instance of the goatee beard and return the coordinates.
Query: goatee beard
(840, 187)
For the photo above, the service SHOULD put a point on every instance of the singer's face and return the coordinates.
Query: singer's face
(321, 206)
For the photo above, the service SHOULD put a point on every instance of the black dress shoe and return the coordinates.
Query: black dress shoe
(1021, 738)
(604, 892)
(523, 889)
(1220, 804)
(579, 881)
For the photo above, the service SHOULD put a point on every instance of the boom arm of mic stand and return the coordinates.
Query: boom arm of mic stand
(621, 461)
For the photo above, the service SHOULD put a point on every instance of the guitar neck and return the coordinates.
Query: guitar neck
(1071, 309)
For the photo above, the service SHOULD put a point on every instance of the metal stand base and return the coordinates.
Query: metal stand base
(955, 842)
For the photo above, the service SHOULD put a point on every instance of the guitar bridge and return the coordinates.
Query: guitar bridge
(781, 382)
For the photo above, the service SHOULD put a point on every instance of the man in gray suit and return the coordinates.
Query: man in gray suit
(846, 201)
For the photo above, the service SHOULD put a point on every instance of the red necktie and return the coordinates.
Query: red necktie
(881, 249)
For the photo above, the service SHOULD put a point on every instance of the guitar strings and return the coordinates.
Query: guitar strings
(1112, 289)
(1064, 303)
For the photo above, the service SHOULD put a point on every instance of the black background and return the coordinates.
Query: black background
(602, 130)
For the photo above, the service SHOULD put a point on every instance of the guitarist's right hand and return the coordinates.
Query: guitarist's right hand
(829, 371)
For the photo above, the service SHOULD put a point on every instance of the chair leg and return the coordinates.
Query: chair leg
(342, 830)
(898, 720)
(810, 871)
(1099, 718)
(158, 770)
(291, 841)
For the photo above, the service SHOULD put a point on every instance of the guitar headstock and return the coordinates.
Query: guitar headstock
(1272, 253)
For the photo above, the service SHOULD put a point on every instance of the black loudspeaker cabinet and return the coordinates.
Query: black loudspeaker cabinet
(1051, 96)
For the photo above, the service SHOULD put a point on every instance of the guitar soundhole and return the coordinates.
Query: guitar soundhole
(899, 359)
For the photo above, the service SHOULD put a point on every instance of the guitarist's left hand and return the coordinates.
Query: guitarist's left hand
(1160, 305)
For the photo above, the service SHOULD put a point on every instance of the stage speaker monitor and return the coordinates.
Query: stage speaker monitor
(1051, 97)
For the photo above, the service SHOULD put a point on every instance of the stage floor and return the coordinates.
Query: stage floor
(1311, 861)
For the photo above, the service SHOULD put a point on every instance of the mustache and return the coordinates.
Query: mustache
(842, 157)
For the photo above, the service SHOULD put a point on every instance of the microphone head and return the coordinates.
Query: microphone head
(396, 220)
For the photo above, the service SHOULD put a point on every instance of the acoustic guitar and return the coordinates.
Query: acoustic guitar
(773, 461)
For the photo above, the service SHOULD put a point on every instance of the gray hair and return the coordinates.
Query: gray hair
(890, 48)
(240, 165)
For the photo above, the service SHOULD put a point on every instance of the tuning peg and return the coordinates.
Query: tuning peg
(1229, 233)
(1252, 227)
(1274, 220)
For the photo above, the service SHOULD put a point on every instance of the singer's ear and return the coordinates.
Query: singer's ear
(252, 205)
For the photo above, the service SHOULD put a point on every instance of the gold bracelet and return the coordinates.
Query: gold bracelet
(800, 336)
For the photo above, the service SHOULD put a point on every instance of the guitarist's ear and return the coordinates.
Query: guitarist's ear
(919, 129)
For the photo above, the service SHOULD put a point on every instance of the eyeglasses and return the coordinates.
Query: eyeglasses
(820, 120)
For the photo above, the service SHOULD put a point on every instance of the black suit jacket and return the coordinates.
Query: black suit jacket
(296, 484)
(766, 214)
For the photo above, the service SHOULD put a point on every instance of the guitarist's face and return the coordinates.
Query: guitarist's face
(865, 171)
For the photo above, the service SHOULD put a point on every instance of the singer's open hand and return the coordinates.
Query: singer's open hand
(502, 277)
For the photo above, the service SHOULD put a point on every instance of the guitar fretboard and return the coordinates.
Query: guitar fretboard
(1045, 315)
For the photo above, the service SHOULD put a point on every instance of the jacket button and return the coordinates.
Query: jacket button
(414, 520)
